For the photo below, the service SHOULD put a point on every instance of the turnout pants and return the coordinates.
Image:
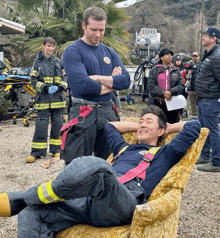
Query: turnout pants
(92, 193)
(39, 142)
(88, 137)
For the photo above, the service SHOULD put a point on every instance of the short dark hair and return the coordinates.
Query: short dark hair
(162, 121)
(158, 112)
(49, 40)
(96, 13)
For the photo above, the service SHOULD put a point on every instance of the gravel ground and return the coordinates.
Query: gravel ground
(200, 206)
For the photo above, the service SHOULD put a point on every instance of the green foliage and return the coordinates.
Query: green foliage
(4, 102)
(61, 19)
(30, 4)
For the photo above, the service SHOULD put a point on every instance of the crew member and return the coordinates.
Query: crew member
(207, 87)
(164, 82)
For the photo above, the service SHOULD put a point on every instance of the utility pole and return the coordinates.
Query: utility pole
(202, 16)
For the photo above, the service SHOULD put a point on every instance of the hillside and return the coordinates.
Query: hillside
(179, 22)
(186, 10)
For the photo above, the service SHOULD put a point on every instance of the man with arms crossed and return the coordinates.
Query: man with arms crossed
(94, 71)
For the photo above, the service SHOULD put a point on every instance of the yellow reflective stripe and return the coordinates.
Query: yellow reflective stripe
(119, 153)
(48, 79)
(39, 145)
(123, 149)
(55, 142)
(41, 194)
(34, 73)
(38, 86)
(58, 80)
(41, 106)
(58, 104)
(153, 150)
(64, 84)
(46, 193)
(51, 192)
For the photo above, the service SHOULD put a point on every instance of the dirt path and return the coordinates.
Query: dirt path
(200, 206)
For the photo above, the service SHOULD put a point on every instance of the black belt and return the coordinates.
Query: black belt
(90, 103)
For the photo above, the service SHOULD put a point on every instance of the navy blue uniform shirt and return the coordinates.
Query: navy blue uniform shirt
(167, 156)
(81, 60)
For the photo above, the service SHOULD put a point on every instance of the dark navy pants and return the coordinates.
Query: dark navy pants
(93, 195)
(208, 111)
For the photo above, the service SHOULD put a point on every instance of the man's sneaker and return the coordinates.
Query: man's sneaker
(56, 155)
(209, 167)
(31, 158)
(200, 160)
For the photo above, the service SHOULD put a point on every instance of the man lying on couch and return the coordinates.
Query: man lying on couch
(91, 191)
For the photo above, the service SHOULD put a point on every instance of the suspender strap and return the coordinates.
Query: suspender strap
(83, 112)
(140, 170)
(119, 153)
(116, 111)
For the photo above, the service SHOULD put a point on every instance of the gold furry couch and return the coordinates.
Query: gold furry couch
(159, 217)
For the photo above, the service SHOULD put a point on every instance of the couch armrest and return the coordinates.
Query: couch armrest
(157, 209)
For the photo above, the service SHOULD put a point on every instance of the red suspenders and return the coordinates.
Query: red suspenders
(140, 170)
(83, 112)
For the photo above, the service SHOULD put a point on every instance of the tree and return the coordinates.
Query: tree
(61, 19)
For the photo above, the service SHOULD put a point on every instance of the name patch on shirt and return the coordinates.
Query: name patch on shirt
(107, 60)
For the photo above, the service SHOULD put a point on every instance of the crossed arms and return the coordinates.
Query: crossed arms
(106, 81)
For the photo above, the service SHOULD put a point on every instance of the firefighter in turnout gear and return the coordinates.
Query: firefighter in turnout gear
(49, 80)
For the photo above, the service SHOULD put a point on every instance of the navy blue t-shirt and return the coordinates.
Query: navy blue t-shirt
(167, 156)
(81, 60)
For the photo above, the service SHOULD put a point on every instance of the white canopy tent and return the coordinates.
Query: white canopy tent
(9, 27)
